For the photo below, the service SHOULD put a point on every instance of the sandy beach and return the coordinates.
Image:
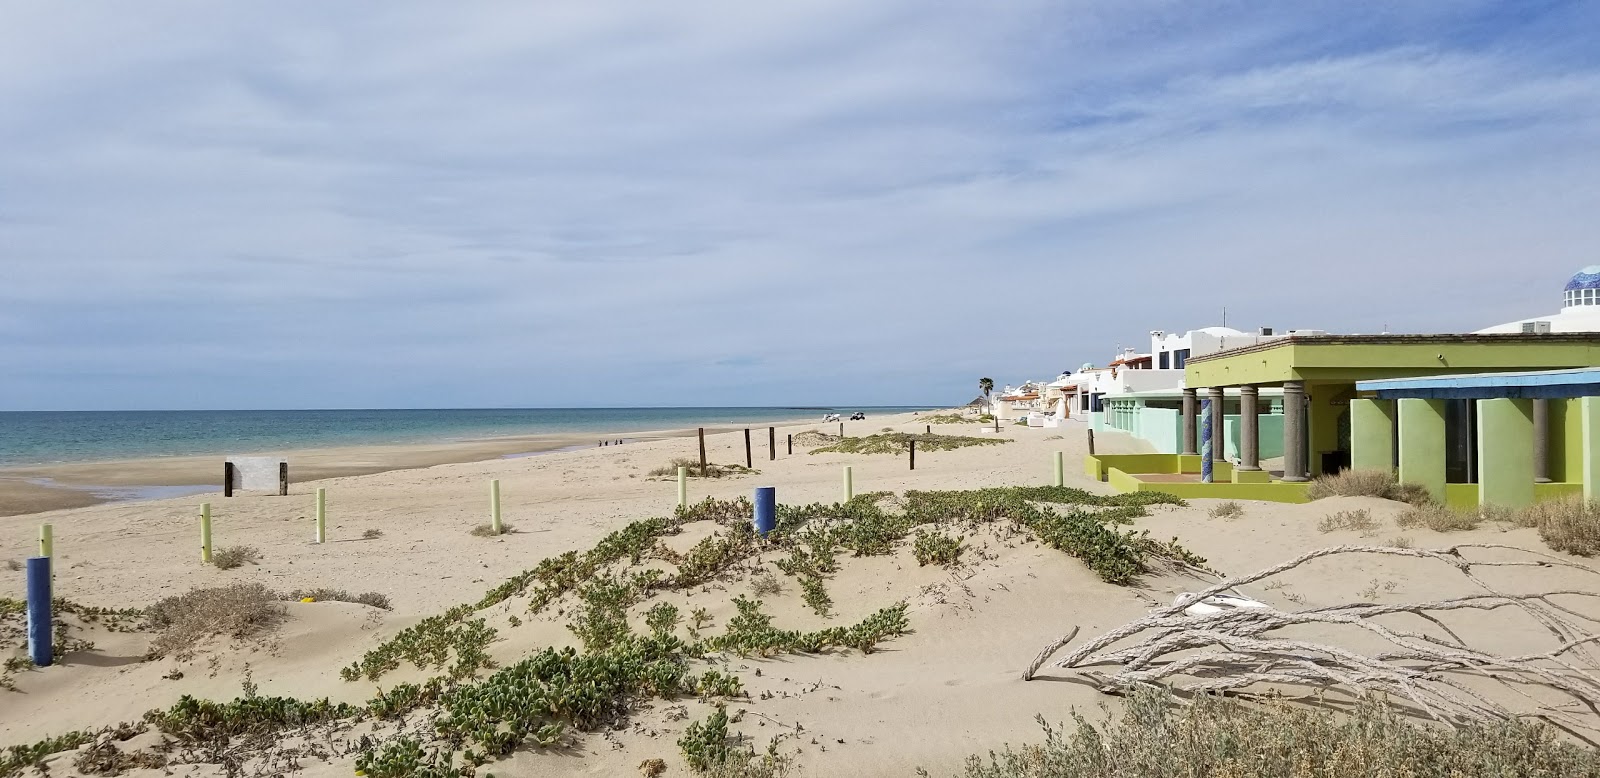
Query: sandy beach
(927, 699)
(37, 488)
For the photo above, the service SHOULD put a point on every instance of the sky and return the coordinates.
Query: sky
(405, 204)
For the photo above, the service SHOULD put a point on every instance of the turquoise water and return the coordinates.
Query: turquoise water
(41, 437)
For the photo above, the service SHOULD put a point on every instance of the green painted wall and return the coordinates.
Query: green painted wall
(1372, 435)
(1421, 455)
(1566, 440)
(1328, 402)
(1271, 434)
(1505, 453)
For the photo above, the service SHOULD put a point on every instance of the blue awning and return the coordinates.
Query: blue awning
(1542, 384)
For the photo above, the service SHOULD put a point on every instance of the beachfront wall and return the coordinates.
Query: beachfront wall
(1162, 428)
(1502, 420)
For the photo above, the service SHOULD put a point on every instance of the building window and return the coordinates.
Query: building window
(1180, 358)
(1165, 360)
(1094, 403)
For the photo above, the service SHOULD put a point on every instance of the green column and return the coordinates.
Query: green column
(1421, 454)
(1505, 452)
(1589, 470)
(1372, 435)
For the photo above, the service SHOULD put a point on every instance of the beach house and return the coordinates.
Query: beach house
(1504, 416)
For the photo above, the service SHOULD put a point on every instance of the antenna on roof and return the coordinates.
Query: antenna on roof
(1224, 315)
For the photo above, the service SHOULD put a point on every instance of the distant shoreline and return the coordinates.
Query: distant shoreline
(26, 489)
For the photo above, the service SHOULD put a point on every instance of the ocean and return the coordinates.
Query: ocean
(44, 437)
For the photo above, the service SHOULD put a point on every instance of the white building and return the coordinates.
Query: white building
(1142, 393)
(1580, 309)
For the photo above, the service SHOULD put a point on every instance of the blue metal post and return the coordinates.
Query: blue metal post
(39, 631)
(1205, 441)
(766, 509)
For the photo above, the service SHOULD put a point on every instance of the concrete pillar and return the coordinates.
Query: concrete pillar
(1372, 435)
(1541, 441)
(1421, 454)
(1249, 428)
(1294, 431)
(1218, 397)
(1590, 474)
(1191, 417)
(1505, 452)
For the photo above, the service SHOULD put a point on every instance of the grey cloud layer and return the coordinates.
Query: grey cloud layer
(270, 204)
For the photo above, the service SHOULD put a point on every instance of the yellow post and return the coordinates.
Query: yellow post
(322, 515)
(1061, 470)
(849, 484)
(205, 532)
(683, 487)
(47, 547)
(494, 505)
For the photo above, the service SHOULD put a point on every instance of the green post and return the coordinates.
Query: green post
(1372, 435)
(1505, 452)
(849, 484)
(683, 487)
(205, 532)
(494, 505)
(1061, 470)
(322, 515)
(1421, 453)
(1589, 415)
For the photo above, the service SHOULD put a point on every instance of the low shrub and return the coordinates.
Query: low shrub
(692, 469)
(1367, 483)
(1571, 525)
(372, 534)
(235, 556)
(241, 611)
(765, 584)
(932, 548)
(1359, 520)
(1437, 517)
(373, 599)
(1160, 737)
(898, 442)
(1227, 510)
(487, 530)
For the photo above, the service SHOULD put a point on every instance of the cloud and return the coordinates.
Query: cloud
(301, 204)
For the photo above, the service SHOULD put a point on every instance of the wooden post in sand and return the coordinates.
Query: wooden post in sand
(1091, 442)
(841, 429)
(849, 484)
(748, 462)
(930, 429)
(227, 479)
(702, 451)
(1061, 470)
(791, 444)
(913, 451)
(283, 479)
(494, 505)
(772, 444)
(683, 487)
(205, 532)
(322, 515)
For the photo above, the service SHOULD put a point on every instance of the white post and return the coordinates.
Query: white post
(494, 505)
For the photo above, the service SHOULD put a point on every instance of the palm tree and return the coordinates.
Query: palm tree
(986, 385)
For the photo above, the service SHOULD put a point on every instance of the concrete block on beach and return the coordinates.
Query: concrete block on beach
(265, 474)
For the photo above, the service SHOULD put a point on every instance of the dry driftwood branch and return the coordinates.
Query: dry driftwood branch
(1238, 648)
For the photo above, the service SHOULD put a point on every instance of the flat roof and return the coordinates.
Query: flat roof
(1535, 384)
(1346, 359)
